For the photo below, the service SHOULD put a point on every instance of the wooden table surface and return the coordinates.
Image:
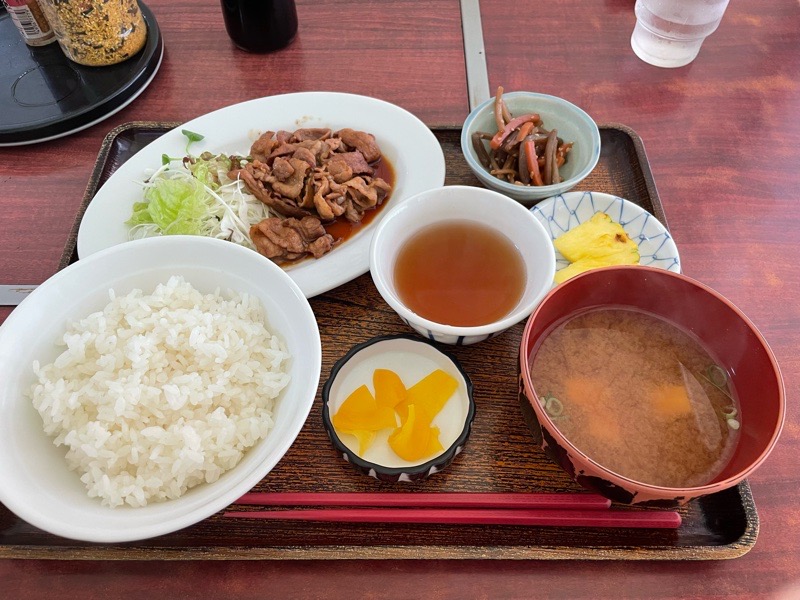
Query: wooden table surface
(723, 139)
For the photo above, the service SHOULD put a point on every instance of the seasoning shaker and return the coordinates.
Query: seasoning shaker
(31, 22)
(97, 33)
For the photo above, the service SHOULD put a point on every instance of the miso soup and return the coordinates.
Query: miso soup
(639, 396)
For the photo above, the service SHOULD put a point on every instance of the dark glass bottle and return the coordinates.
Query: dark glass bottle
(260, 25)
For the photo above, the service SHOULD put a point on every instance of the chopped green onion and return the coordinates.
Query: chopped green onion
(717, 375)
(552, 405)
(730, 412)
(711, 374)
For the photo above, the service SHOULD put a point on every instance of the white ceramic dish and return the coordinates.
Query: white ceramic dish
(412, 359)
(405, 141)
(573, 125)
(35, 482)
(472, 204)
(560, 214)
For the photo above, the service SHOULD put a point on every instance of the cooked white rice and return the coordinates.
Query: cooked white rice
(158, 393)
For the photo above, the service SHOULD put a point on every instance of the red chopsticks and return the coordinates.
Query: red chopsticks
(476, 516)
(428, 500)
(543, 510)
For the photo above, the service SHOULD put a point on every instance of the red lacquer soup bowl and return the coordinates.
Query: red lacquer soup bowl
(697, 309)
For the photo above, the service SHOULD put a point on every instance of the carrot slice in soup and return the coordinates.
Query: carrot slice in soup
(672, 401)
(585, 392)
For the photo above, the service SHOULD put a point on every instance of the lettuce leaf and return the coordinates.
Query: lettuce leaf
(175, 206)
(141, 215)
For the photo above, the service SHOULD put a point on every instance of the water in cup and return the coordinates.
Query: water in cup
(669, 33)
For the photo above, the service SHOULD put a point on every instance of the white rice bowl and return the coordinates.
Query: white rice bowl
(158, 473)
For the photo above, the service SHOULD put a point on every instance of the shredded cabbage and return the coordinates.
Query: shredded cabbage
(176, 205)
(198, 199)
(207, 168)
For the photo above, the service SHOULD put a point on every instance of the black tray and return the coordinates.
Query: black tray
(44, 95)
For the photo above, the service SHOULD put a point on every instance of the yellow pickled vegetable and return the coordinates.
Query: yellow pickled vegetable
(429, 394)
(360, 415)
(599, 242)
(587, 264)
(389, 388)
(416, 438)
(361, 411)
(364, 437)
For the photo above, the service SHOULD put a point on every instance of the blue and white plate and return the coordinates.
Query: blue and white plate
(562, 213)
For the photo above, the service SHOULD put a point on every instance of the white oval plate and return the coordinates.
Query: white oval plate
(405, 141)
(561, 213)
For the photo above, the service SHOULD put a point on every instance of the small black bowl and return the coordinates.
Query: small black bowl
(411, 358)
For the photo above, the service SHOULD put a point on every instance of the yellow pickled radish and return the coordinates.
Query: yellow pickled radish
(430, 394)
(364, 437)
(415, 439)
(389, 388)
(360, 411)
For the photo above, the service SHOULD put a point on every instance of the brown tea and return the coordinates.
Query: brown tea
(460, 273)
(639, 396)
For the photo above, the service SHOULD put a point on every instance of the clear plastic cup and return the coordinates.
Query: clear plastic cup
(669, 33)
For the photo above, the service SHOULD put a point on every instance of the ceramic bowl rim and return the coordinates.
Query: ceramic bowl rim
(519, 313)
(208, 498)
(626, 481)
(544, 191)
(448, 454)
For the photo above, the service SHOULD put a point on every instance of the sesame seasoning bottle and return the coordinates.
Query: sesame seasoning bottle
(31, 22)
(97, 33)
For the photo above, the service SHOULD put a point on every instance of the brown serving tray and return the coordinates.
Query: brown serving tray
(500, 455)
